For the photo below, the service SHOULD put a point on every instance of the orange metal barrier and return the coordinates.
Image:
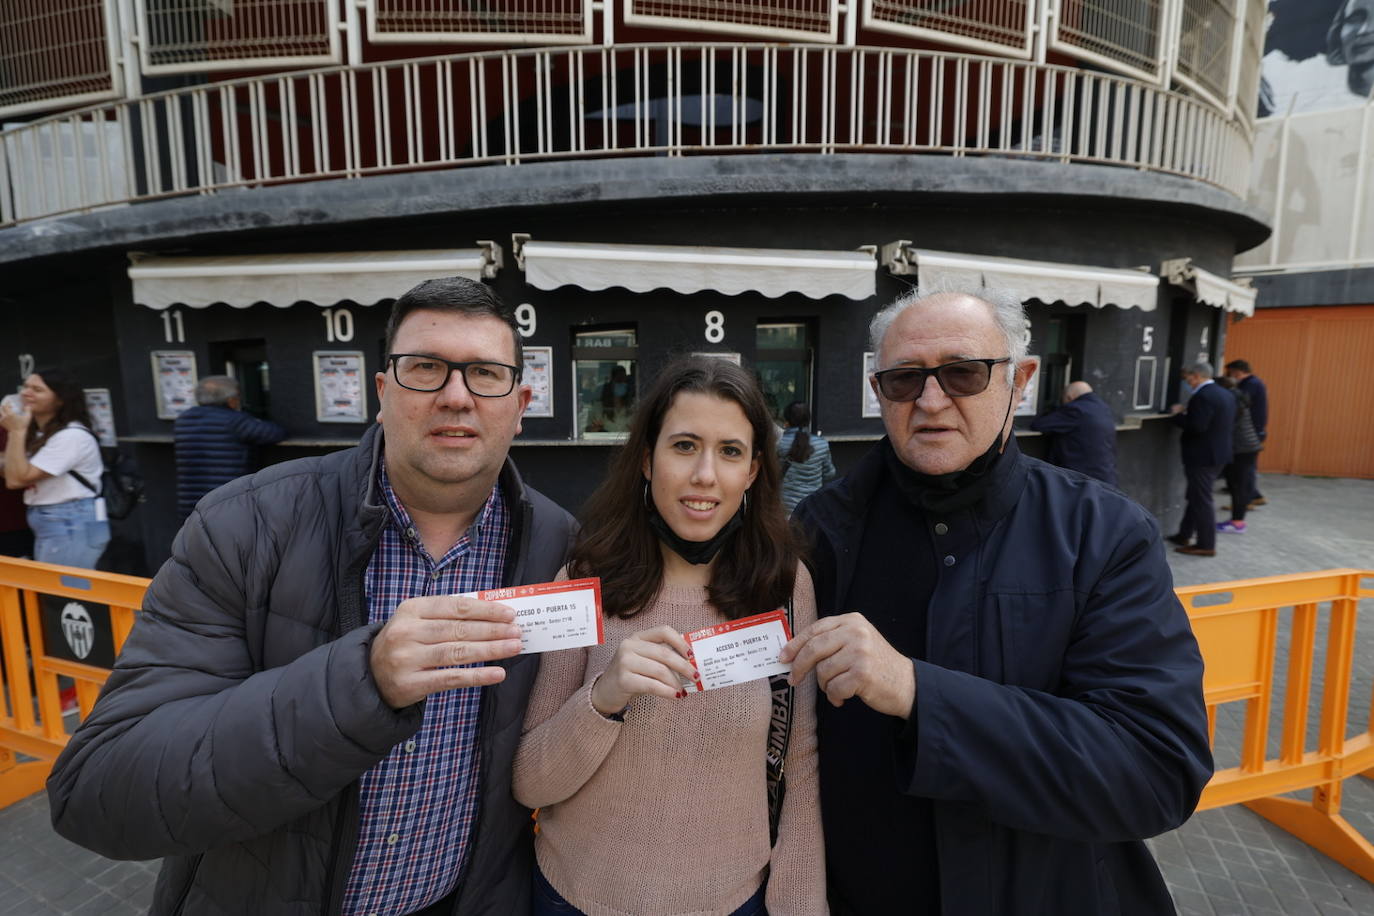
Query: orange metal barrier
(54, 621)
(1237, 624)
(49, 614)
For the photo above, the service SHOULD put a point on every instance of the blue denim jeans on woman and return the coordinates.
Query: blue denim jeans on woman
(68, 534)
(546, 901)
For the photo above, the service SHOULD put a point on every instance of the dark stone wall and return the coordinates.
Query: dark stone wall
(75, 306)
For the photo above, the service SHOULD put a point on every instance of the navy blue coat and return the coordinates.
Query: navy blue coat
(1059, 711)
(1083, 437)
(1207, 425)
(214, 445)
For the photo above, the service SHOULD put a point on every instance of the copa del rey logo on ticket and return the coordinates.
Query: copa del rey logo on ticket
(552, 615)
(738, 650)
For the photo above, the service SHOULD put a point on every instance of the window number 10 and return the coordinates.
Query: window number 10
(338, 325)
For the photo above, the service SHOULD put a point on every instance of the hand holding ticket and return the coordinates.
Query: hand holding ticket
(737, 651)
(552, 615)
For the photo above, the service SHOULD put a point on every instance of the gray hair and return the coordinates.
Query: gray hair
(216, 390)
(1203, 369)
(1007, 312)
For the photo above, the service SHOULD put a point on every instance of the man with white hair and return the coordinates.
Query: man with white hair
(1014, 692)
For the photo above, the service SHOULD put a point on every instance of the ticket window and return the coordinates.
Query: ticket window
(783, 360)
(246, 362)
(605, 381)
(1060, 358)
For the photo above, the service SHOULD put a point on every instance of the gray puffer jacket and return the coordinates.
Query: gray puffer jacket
(242, 710)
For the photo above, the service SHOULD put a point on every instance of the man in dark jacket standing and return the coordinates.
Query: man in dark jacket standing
(1206, 421)
(1010, 716)
(1082, 433)
(215, 440)
(1254, 389)
(307, 717)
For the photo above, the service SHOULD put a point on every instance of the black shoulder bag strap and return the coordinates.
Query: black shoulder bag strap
(80, 479)
(779, 734)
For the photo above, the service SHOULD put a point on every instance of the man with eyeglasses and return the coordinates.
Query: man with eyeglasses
(1012, 692)
(306, 718)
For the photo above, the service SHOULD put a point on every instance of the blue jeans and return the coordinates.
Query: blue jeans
(68, 534)
(545, 901)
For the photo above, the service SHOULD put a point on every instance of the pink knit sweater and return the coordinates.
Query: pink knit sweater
(667, 812)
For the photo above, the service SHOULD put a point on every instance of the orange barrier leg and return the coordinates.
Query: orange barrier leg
(20, 780)
(1328, 833)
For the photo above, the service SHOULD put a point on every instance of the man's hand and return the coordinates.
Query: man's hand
(651, 661)
(1175, 408)
(851, 659)
(414, 654)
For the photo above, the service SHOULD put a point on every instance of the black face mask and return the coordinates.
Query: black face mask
(698, 553)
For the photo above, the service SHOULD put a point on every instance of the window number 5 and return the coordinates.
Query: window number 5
(1147, 341)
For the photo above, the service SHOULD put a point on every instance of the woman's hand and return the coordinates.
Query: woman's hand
(15, 421)
(651, 661)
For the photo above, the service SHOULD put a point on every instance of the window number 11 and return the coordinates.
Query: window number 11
(172, 327)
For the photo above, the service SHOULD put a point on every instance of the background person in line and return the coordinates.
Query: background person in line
(1013, 691)
(1206, 446)
(652, 801)
(49, 439)
(1245, 449)
(216, 440)
(805, 458)
(1082, 433)
(286, 724)
(1254, 388)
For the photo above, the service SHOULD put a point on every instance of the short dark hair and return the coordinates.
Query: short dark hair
(755, 573)
(455, 294)
(1238, 364)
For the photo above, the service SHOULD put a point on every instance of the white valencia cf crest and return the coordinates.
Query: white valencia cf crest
(78, 629)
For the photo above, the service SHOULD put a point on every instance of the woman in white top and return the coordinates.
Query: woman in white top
(50, 444)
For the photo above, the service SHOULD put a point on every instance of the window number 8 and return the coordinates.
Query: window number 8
(715, 326)
(526, 319)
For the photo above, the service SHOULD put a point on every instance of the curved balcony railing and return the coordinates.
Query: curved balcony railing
(517, 106)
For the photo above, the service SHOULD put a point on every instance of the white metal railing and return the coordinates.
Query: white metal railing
(518, 106)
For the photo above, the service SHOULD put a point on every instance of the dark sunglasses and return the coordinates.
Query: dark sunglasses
(961, 379)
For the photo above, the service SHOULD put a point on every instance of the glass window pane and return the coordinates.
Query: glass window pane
(606, 391)
(783, 364)
(781, 336)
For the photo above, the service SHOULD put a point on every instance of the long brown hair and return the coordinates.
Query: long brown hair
(71, 407)
(755, 572)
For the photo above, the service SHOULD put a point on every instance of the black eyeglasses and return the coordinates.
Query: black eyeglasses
(961, 379)
(421, 372)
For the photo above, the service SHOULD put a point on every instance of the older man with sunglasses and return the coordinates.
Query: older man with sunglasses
(1012, 693)
(307, 717)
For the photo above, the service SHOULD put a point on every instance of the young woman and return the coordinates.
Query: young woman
(49, 444)
(652, 800)
(806, 463)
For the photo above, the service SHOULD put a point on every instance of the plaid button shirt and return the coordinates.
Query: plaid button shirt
(418, 804)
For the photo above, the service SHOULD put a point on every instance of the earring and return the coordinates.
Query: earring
(745, 508)
(648, 502)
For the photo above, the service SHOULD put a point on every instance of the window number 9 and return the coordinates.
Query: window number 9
(715, 326)
(526, 319)
(1147, 341)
